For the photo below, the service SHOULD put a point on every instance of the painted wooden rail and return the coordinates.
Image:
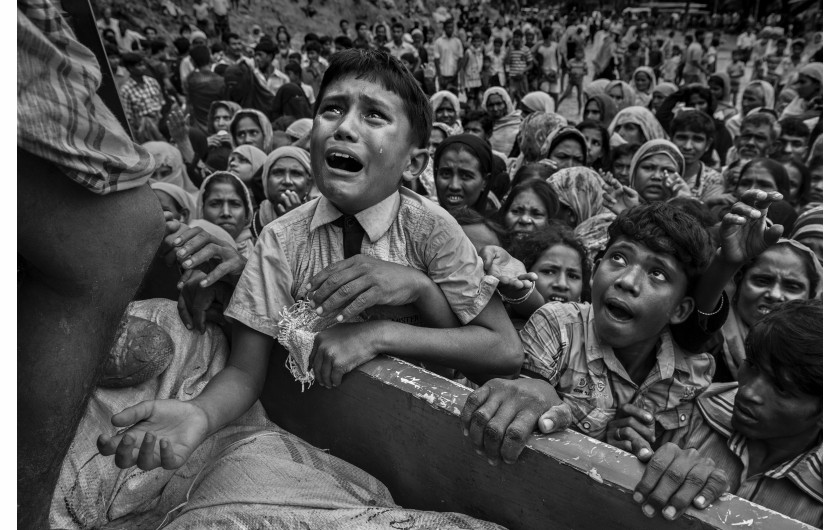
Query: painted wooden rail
(400, 423)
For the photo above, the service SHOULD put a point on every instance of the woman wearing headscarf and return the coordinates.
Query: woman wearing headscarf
(286, 187)
(566, 146)
(659, 93)
(250, 126)
(169, 165)
(290, 100)
(644, 80)
(599, 86)
(425, 185)
(176, 199)
(604, 61)
(536, 102)
(447, 109)
(719, 84)
(757, 94)
(535, 129)
(245, 162)
(635, 125)
(463, 166)
(244, 89)
(622, 93)
(223, 200)
(600, 108)
(580, 191)
(506, 119)
(808, 230)
(654, 168)
(809, 89)
(219, 139)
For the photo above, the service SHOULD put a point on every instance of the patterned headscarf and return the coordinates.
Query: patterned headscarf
(564, 133)
(628, 92)
(580, 189)
(288, 151)
(539, 102)
(535, 129)
(656, 147)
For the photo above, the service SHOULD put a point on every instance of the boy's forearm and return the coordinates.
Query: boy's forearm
(488, 344)
(433, 306)
(237, 387)
(712, 283)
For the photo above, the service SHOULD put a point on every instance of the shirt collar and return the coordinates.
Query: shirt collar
(376, 220)
(804, 470)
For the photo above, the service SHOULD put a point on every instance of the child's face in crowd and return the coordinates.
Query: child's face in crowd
(287, 175)
(475, 128)
(592, 112)
(769, 409)
(594, 144)
(361, 144)
(754, 141)
(756, 177)
(445, 113)
(241, 167)
(778, 275)
(637, 292)
(567, 153)
(698, 102)
(631, 132)
(459, 180)
(248, 132)
(621, 169)
(559, 274)
(717, 90)
(225, 208)
(527, 213)
(651, 174)
(692, 145)
(170, 205)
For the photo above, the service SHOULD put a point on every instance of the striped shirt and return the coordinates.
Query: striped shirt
(562, 346)
(142, 99)
(517, 61)
(404, 228)
(60, 118)
(793, 488)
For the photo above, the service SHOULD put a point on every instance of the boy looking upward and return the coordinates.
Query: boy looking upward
(367, 245)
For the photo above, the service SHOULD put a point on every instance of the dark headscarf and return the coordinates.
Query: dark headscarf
(229, 105)
(248, 92)
(290, 100)
(607, 106)
(479, 148)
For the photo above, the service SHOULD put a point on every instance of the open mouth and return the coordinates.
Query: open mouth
(765, 309)
(344, 162)
(558, 298)
(618, 310)
(455, 200)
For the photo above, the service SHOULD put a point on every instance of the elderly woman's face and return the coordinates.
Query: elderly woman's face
(226, 208)
(287, 175)
(617, 93)
(459, 180)
(496, 106)
(651, 174)
(631, 132)
(527, 213)
(642, 81)
(446, 113)
(752, 98)
(567, 153)
(777, 276)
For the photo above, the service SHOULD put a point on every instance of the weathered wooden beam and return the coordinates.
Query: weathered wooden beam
(400, 423)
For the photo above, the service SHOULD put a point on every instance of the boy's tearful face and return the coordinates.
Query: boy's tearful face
(636, 292)
(361, 144)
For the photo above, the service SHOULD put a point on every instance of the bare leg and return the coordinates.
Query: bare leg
(83, 258)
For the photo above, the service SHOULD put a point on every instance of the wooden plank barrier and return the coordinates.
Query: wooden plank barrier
(400, 423)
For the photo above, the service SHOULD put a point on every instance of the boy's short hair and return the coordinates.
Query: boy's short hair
(789, 341)
(385, 69)
(396, 25)
(517, 32)
(359, 25)
(200, 56)
(482, 117)
(794, 126)
(621, 151)
(294, 68)
(664, 228)
(313, 46)
(343, 41)
(694, 121)
(229, 35)
(762, 119)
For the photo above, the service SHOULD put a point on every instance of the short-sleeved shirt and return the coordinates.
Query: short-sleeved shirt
(517, 61)
(404, 228)
(142, 99)
(562, 346)
(793, 488)
(448, 51)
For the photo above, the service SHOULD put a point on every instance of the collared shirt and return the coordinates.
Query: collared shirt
(517, 60)
(403, 48)
(448, 51)
(404, 228)
(141, 100)
(274, 81)
(793, 488)
(562, 346)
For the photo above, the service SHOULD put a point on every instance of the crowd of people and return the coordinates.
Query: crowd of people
(643, 266)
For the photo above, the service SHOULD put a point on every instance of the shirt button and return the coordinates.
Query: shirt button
(585, 425)
(682, 417)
